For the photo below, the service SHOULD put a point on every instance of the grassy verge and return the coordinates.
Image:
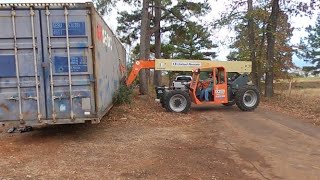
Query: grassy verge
(303, 100)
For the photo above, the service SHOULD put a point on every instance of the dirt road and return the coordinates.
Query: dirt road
(133, 143)
(276, 145)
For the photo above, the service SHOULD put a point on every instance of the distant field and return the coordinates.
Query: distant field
(299, 79)
(307, 79)
(298, 83)
(304, 93)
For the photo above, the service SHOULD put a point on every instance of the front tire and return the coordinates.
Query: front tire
(178, 101)
(247, 98)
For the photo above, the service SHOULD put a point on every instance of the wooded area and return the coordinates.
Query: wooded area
(175, 29)
(76, 104)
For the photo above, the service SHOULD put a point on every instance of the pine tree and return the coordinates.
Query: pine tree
(172, 15)
(192, 42)
(104, 6)
(310, 46)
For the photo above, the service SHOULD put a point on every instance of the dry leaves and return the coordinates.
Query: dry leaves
(303, 103)
(144, 110)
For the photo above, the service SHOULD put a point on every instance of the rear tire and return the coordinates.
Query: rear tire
(247, 98)
(177, 101)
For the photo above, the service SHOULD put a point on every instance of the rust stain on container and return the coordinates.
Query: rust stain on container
(4, 107)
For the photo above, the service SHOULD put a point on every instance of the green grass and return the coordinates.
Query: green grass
(311, 93)
(306, 79)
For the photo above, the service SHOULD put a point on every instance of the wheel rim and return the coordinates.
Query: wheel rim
(178, 103)
(250, 98)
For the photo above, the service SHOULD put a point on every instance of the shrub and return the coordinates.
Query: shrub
(124, 95)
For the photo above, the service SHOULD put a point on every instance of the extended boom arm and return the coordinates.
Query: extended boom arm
(186, 65)
(138, 65)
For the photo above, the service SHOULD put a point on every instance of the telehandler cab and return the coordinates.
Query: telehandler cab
(236, 90)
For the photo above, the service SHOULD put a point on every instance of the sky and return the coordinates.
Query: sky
(222, 36)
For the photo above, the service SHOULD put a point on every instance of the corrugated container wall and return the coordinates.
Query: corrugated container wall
(59, 64)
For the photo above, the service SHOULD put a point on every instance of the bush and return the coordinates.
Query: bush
(124, 95)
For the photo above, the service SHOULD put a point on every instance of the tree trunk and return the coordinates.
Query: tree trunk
(260, 53)
(157, 19)
(252, 45)
(148, 73)
(271, 30)
(144, 34)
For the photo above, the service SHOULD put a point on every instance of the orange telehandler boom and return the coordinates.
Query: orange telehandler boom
(138, 65)
(186, 65)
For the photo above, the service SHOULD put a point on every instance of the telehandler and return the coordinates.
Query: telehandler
(226, 91)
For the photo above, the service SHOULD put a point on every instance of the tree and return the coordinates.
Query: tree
(310, 45)
(192, 42)
(144, 45)
(104, 6)
(157, 34)
(235, 15)
(251, 36)
(300, 8)
(173, 15)
(309, 69)
(270, 34)
(283, 49)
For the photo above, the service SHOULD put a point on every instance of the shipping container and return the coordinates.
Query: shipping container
(59, 64)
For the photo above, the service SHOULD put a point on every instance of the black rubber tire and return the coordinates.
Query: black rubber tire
(165, 99)
(240, 98)
(162, 100)
(163, 104)
(172, 93)
(230, 103)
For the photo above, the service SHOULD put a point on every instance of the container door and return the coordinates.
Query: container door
(21, 76)
(69, 72)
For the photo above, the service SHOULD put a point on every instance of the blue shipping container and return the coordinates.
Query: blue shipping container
(59, 64)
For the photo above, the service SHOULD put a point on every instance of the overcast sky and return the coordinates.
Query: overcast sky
(222, 36)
